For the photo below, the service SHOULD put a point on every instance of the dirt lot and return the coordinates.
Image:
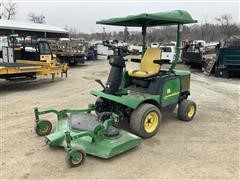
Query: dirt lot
(207, 147)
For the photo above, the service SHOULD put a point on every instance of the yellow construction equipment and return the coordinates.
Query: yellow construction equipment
(30, 63)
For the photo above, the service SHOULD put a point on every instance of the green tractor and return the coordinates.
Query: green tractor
(136, 96)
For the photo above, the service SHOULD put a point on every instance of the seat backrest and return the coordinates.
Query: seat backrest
(150, 55)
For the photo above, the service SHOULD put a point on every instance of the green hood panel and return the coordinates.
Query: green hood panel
(133, 99)
(182, 72)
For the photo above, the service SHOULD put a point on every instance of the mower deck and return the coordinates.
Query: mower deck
(81, 130)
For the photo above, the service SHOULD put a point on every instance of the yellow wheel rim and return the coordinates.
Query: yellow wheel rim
(45, 129)
(151, 122)
(76, 162)
(191, 111)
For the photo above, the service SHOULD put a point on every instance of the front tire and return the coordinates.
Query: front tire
(187, 110)
(145, 120)
(76, 162)
(43, 128)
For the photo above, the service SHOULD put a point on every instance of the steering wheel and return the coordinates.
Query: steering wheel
(119, 49)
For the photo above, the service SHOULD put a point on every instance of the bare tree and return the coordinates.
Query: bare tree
(209, 31)
(126, 34)
(1, 9)
(227, 28)
(40, 19)
(9, 9)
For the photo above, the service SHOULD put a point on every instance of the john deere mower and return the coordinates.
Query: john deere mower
(140, 95)
(136, 96)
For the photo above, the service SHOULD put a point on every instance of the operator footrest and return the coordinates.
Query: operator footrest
(83, 121)
(88, 122)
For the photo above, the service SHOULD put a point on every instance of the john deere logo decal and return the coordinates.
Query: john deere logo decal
(168, 91)
(170, 95)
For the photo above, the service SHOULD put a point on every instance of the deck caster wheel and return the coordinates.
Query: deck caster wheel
(187, 110)
(145, 120)
(43, 127)
(74, 162)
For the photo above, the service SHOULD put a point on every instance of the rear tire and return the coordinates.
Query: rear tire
(225, 74)
(145, 120)
(73, 63)
(187, 110)
(221, 73)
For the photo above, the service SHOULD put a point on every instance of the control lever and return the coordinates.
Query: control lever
(100, 82)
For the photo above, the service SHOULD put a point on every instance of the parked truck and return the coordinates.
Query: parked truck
(192, 53)
(69, 51)
(226, 61)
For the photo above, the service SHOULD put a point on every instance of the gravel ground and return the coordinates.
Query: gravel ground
(206, 148)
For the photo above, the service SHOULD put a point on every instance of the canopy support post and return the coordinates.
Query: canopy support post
(144, 32)
(178, 48)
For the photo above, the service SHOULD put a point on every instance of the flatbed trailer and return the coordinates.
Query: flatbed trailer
(29, 62)
(30, 69)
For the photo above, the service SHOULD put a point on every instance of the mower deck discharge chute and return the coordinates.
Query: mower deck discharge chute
(137, 96)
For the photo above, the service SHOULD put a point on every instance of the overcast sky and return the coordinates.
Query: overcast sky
(83, 15)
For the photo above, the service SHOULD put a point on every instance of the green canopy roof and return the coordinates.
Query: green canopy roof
(153, 19)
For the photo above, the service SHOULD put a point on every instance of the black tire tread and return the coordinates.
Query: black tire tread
(38, 132)
(68, 158)
(136, 121)
(183, 108)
